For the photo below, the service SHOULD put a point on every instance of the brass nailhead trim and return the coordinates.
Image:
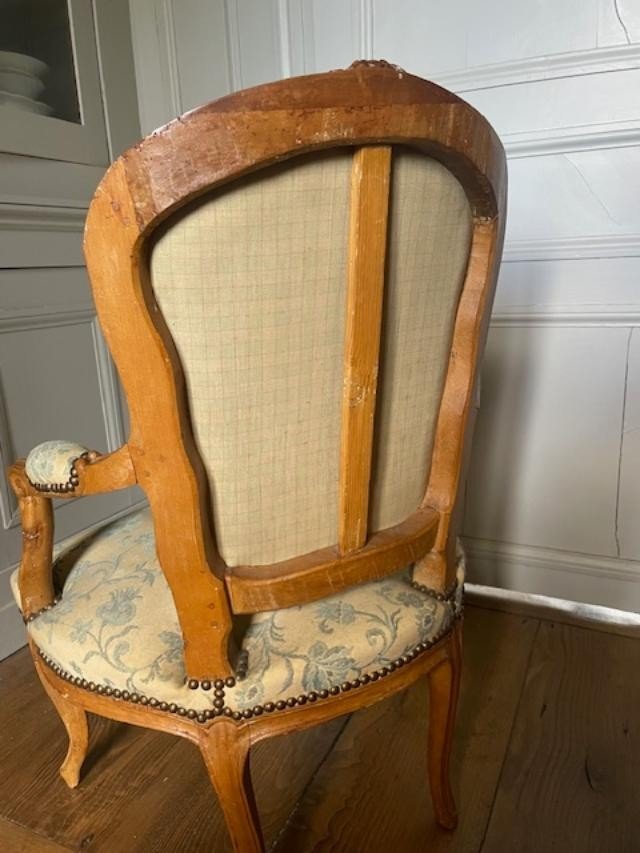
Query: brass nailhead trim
(219, 707)
(70, 485)
(447, 595)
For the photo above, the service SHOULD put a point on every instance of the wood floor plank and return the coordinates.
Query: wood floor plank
(141, 791)
(570, 781)
(371, 793)
(17, 839)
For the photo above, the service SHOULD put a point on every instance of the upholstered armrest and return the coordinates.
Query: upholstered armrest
(63, 469)
(50, 466)
(58, 469)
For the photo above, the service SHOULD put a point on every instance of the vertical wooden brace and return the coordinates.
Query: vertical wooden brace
(370, 179)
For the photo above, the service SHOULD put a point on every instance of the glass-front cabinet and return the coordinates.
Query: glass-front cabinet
(50, 93)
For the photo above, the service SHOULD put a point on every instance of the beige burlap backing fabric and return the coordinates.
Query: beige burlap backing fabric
(252, 285)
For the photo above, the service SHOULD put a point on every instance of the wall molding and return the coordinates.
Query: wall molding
(573, 248)
(31, 217)
(609, 581)
(107, 382)
(560, 317)
(565, 140)
(599, 60)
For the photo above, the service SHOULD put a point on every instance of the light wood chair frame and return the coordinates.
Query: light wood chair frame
(371, 107)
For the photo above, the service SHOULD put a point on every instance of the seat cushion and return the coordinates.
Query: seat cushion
(115, 629)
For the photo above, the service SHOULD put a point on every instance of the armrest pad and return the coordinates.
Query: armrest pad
(50, 466)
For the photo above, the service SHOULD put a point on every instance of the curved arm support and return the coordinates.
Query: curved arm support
(95, 474)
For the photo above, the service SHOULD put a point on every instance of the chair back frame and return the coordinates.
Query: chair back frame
(370, 107)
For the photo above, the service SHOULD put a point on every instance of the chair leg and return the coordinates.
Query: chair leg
(75, 722)
(225, 750)
(444, 686)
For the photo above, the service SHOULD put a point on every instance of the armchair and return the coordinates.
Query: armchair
(295, 283)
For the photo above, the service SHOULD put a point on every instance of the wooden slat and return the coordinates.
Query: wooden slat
(324, 572)
(370, 179)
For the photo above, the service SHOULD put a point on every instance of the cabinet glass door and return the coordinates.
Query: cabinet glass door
(50, 101)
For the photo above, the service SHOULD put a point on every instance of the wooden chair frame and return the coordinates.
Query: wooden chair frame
(370, 107)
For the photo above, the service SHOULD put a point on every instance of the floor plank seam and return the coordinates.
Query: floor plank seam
(34, 833)
(508, 745)
(283, 830)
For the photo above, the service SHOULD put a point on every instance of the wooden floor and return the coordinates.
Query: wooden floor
(547, 758)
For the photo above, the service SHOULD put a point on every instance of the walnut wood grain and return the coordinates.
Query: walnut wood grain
(369, 209)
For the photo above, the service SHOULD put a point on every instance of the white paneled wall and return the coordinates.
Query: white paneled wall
(553, 502)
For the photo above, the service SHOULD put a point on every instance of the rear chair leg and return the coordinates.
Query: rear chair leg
(444, 686)
(75, 722)
(225, 749)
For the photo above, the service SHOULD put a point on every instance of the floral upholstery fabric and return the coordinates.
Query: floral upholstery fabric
(116, 625)
(50, 463)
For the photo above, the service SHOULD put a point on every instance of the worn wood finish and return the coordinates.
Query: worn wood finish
(436, 570)
(370, 178)
(444, 687)
(371, 104)
(75, 722)
(256, 588)
(231, 779)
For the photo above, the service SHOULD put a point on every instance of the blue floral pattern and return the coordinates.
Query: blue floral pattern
(116, 625)
(50, 463)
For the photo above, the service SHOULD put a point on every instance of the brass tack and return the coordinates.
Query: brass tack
(144, 700)
(257, 710)
(230, 681)
(247, 713)
(126, 695)
(192, 714)
(355, 682)
(237, 715)
(219, 694)
(163, 706)
(208, 713)
(206, 685)
(182, 712)
(291, 701)
(218, 703)
(323, 693)
(269, 707)
(346, 685)
(334, 690)
(153, 702)
(193, 684)
(384, 671)
(302, 699)
(173, 707)
(201, 718)
(92, 686)
(312, 696)
(218, 683)
(228, 712)
(281, 704)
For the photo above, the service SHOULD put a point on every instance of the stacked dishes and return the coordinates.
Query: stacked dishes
(21, 82)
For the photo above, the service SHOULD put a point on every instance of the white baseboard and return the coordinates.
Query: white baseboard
(607, 581)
